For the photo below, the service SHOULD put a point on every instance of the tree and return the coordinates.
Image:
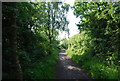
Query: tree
(13, 41)
(56, 20)
(29, 35)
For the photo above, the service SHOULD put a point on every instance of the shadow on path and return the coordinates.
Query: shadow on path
(67, 69)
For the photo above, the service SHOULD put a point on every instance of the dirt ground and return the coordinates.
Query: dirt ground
(68, 69)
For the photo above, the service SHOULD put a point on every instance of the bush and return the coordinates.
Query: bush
(43, 69)
(93, 55)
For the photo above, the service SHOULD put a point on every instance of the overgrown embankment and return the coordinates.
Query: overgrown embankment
(30, 44)
(84, 51)
(96, 47)
(44, 68)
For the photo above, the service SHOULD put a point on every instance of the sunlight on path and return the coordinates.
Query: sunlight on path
(67, 69)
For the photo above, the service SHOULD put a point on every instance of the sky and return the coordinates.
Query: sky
(72, 22)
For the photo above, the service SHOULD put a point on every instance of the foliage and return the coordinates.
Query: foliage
(43, 69)
(96, 47)
(82, 53)
(63, 44)
(36, 27)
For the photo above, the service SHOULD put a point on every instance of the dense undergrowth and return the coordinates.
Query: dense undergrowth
(94, 66)
(43, 69)
(36, 68)
(96, 47)
(99, 66)
(30, 45)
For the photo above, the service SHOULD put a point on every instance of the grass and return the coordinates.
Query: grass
(94, 66)
(43, 69)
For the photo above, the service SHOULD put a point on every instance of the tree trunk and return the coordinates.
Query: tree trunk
(49, 26)
(13, 43)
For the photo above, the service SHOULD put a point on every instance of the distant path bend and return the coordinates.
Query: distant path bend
(67, 69)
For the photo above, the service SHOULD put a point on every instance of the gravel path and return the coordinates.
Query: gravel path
(67, 69)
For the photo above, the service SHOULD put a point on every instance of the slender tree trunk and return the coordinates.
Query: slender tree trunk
(49, 30)
(13, 42)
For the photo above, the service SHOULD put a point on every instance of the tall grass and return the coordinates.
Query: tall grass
(95, 66)
(43, 69)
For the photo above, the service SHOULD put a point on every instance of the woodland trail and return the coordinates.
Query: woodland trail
(67, 69)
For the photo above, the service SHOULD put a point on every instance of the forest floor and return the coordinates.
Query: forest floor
(68, 69)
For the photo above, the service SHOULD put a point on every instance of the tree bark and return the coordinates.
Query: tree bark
(13, 43)
(49, 27)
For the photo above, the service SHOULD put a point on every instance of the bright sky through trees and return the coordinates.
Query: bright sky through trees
(72, 21)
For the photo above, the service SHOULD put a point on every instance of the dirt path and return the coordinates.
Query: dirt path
(67, 69)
